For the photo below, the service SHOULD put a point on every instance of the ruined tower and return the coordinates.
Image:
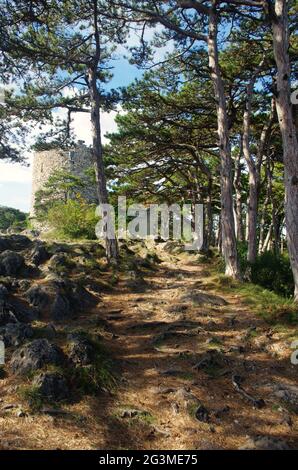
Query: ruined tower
(75, 161)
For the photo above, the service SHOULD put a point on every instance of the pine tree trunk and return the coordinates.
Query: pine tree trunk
(209, 214)
(288, 130)
(219, 237)
(252, 217)
(268, 176)
(276, 229)
(228, 237)
(238, 194)
(252, 203)
(110, 242)
(267, 241)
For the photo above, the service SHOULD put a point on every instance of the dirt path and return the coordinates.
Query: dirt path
(164, 330)
(177, 344)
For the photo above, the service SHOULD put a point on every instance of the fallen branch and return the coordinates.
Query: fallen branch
(256, 402)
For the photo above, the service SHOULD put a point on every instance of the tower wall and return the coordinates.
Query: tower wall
(75, 161)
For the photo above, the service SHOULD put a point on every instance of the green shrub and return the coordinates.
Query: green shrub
(242, 248)
(12, 218)
(283, 313)
(274, 273)
(73, 219)
(32, 395)
(269, 270)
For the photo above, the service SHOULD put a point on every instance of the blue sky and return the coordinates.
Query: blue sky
(15, 180)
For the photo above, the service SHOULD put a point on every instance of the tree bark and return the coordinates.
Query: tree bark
(276, 228)
(254, 168)
(219, 235)
(267, 241)
(288, 131)
(238, 194)
(229, 246)
(209, 228)
(268, 175)
(110, 243)
(252, 203)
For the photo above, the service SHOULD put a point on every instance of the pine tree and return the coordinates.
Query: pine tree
(70, 47)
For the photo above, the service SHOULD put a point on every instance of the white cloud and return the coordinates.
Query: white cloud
(82, 125)
(12, 172)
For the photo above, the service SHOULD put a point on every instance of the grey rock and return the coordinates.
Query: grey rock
(52, 386)
(10, 263)
(7, 316)
(19, 242)
(211, 359)
(58, 261)
(14, 334)
(265, 443)
(159, 432)
(61, 308)
(37, 296)
(133, 413)
(288, 394)
(60, 248)
(201, 298)
(35, 355)
(15, 241)
(39, 254)
(80, 298)
(23, 313)
(81, 350)
(202, 414)
(175, 408)
(4, 244)
(3, 293)
(69, 298)
(61, 297)
(138, 285)
(186, 398)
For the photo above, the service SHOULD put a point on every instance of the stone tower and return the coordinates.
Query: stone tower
(74, 161)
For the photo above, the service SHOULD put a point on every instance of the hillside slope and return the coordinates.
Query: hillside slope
(153, 356)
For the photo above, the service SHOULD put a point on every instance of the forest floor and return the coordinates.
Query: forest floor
(196, 369)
